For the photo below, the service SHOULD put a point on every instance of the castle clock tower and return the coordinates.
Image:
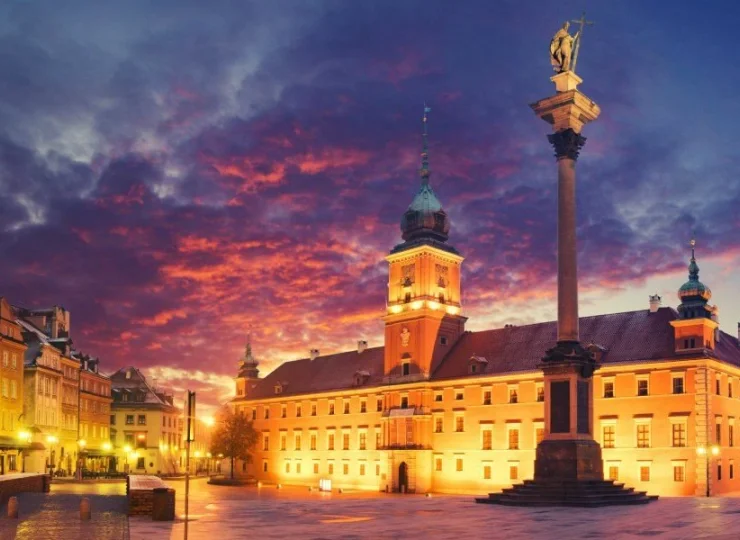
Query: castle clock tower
(423, 320)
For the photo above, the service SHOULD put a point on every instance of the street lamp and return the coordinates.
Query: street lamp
(126, 451)
(51, 440)
(702, 451)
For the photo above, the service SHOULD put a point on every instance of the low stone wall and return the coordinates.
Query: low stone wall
(140, 492)
(12, 484)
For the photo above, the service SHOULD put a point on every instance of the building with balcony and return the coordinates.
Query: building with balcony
(145, 425)
(439, 408)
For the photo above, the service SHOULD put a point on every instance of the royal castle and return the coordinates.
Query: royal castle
(442, 409)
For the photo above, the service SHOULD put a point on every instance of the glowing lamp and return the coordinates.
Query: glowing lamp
(197, 453)
(141, 436)
(433, 305)
(221, 455)
(396, 309)
(82, 443)
(325, 484)
(715, 450)
(701, 450)
(127, 448)
(209, 420)
(208, 454)
(106, 446)
(453, 310)
(24, 436)
(51, 439)
(417, 305)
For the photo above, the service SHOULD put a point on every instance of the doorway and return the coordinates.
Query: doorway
(403, 477)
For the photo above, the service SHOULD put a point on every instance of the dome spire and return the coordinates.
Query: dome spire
(424, 171)
(694, 295)
(248, 364)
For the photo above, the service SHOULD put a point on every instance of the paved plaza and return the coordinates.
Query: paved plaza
(225, 513)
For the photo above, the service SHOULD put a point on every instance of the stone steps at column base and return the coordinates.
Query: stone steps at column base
(592, 493)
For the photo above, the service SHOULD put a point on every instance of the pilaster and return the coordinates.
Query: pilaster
(702, 415)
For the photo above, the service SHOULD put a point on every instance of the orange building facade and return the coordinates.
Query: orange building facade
(441, 409)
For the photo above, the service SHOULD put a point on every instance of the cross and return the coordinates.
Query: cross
(582, 22)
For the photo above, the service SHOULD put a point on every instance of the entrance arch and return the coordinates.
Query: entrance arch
(403, 477)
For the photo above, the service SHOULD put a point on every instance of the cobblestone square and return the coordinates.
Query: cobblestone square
(228, 512)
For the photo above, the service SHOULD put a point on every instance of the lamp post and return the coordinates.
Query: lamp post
(51, 440)
(126, 451)
(711, 451)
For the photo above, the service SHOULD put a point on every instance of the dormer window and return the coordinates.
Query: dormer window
(476, 364)
(278, 388)
(405, 368)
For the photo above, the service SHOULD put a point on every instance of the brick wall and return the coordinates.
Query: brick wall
(11, 485)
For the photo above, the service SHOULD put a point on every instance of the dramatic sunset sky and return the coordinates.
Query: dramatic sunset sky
(174, 172)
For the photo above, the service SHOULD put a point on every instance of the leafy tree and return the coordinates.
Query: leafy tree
(234, 436)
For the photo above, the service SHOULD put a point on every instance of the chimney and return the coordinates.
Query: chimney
(654, 303)
(314, 354)
(361, 346)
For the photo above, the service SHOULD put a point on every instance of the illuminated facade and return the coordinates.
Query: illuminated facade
(441, 409)
(95, 415)
(145, 425)
(12, 351)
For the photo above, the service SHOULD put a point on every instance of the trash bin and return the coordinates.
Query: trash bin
(163, 504)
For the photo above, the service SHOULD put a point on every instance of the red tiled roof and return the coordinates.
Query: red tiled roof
(633, 336)
(323, 374)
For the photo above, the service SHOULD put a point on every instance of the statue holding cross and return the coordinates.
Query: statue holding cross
(564, 47)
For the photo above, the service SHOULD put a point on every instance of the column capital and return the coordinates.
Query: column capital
(567, 143)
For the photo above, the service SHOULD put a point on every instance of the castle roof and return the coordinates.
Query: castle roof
(629, 337)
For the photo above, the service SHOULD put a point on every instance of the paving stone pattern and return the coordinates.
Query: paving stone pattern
(56, 516)
(239, 512)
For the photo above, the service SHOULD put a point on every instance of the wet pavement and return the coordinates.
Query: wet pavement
(56, 515)
(221, 512)
(266, 513)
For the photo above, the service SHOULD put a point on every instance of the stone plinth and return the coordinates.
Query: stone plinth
(140, 493)
(567, 109)
(13, 484)
(575, 459)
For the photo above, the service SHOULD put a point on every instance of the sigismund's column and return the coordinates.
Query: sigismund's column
(568, 450)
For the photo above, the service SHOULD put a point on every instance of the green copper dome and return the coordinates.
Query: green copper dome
(694, 295)
(425, 222)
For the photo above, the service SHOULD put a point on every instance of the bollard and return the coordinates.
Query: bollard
(279, 486)
(13, 508)
(85, 510)
(310, 488)
(428, 495)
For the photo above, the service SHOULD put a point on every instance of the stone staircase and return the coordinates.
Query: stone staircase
(585, 493)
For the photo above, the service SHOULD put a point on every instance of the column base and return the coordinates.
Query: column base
(572, 354)
(568, 460)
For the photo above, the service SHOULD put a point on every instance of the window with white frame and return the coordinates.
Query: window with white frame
(643, 385)
(678, 383)
(607, 387)
(486, 437)
(679, 426)
(608, 432)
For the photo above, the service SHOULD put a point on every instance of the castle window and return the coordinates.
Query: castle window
(298, 411)
(487, 397)
(331, 407)
(441, 298)
(405, 368)
(283, 411)
(540, 390)
(487, 439)
(278, 389)
(313, 409)
(473, 368)
(513, 437)
(458, 464)
(678, 383)
(379, 405)
(642, 386)
(346, 406)
(407, 297)
(404, 402)
(438, 424)
(459, 395)
(363, 405)
(443, 340)
(513, 395)
(716, 385)
(438, 396)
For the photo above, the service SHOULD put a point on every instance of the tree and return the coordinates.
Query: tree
(234, 436)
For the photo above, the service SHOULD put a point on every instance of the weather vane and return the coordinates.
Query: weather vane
(564, 47)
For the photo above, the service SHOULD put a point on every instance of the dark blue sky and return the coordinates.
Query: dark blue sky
(175, 171)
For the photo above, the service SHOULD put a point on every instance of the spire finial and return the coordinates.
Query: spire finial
(424, 171)
(693, 267)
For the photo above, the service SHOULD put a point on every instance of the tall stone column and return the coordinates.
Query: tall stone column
(568, 451)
